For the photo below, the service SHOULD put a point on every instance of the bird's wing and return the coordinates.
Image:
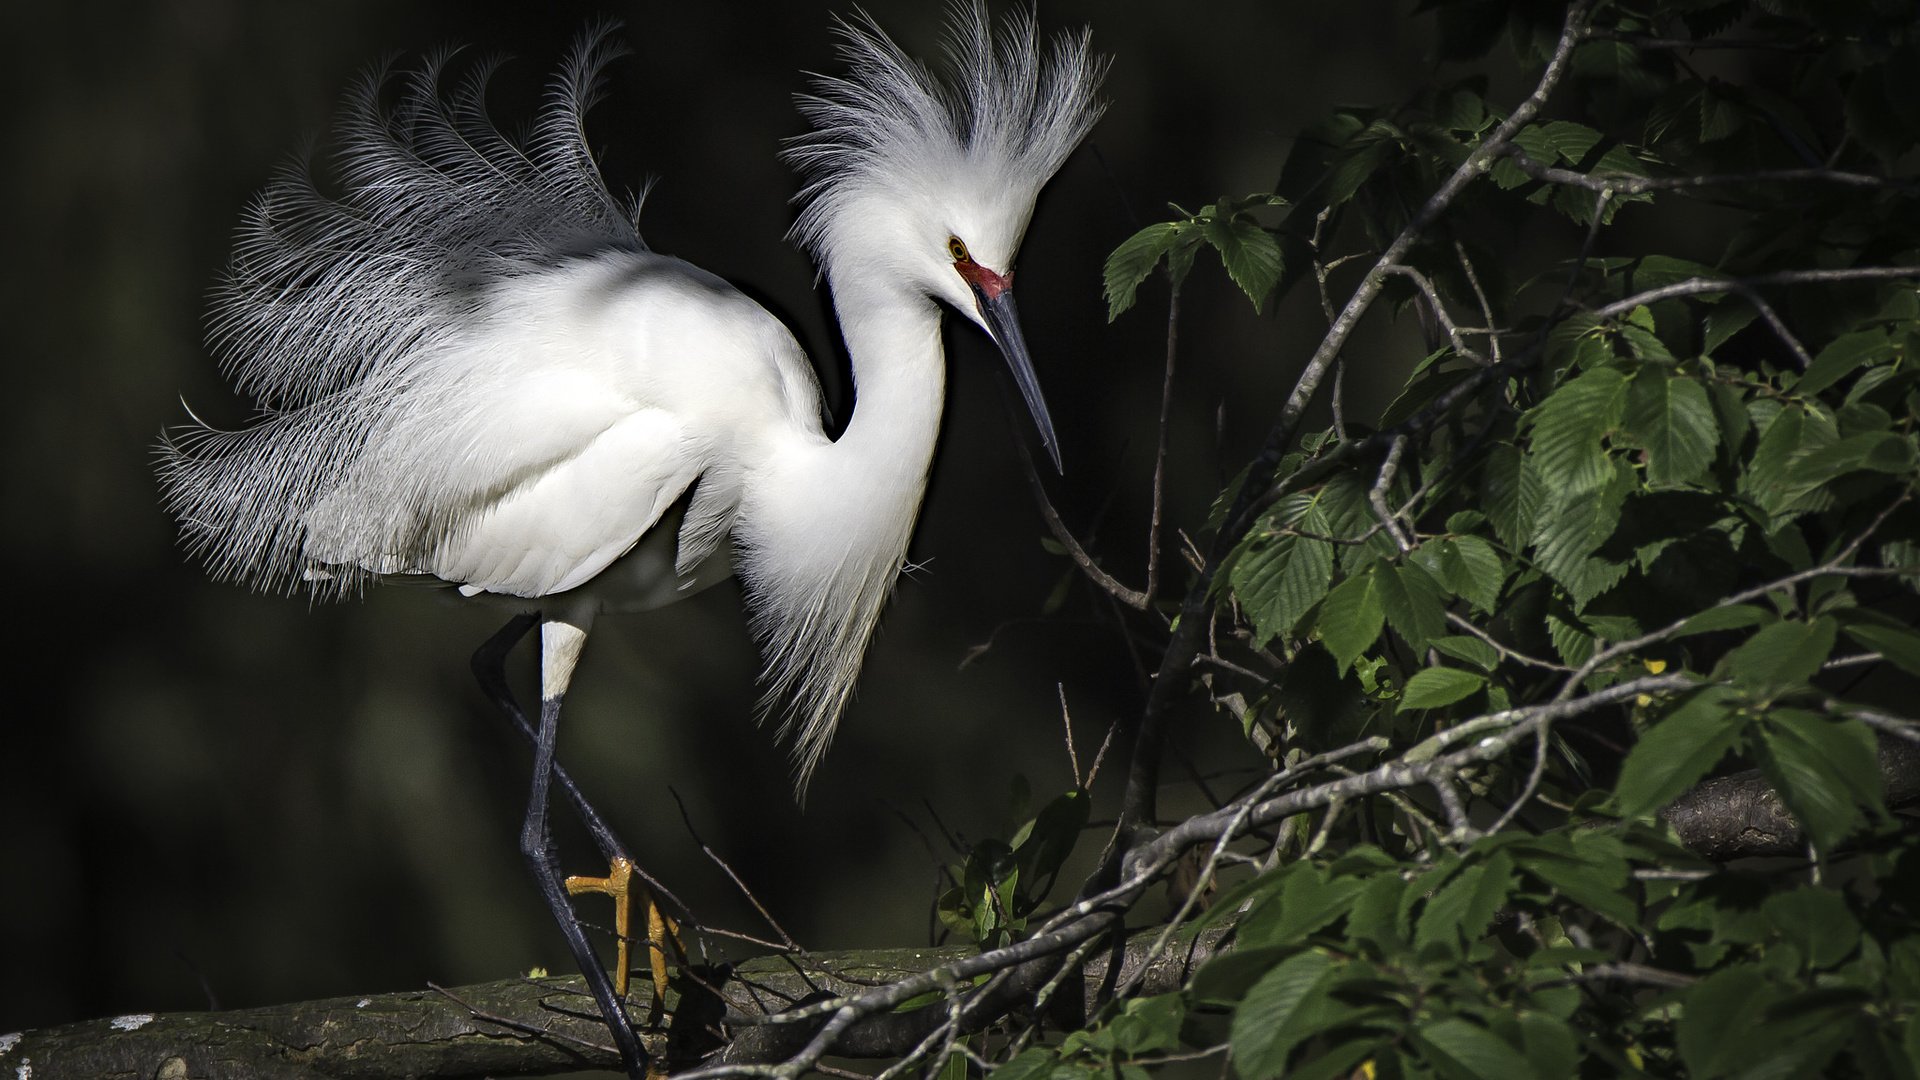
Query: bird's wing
(562, 526)
(527, 452)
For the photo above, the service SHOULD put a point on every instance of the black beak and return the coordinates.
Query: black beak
(1003, 322)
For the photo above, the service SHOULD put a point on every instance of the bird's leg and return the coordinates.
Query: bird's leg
(489, 667)
(560, 644)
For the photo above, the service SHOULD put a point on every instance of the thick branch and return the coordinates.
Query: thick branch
(1741, 815)
(522, 1027)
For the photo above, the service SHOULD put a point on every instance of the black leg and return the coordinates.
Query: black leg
(536, 846)
(490, 668)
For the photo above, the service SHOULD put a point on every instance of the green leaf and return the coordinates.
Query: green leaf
(1435, 688)
(1825, 770)
(1781, 655)
(1879, 451)
(1251, 254)
(1731, 617)
(1511, 494)
(1263, 1032)
(1724, 321)
(1465, 1049)
(1568, 427)
(1148, 1025)
(1363, 158)
(1551, 1046)
(1676, 752)
(1033, 1063)
(1278, 580)
(1897, 644)
(1467, 566)
(1720, 1015)
(1818, 921)
(1043, 844)
(1587, 868)
(1841, 356)
(1414, 603)
(1470, 649)
(1574, 527)
(1308, 902)
(1672, 419)
(1133, 260)
(1227, 977)
(1352, 616)
(1339, 1062)
(1465, 906)
(1375, 915)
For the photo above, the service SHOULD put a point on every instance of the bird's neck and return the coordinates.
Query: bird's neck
(899, 381)
(825, 529)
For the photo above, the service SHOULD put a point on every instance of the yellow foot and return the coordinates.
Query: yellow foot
(618, 885)
(662, 932)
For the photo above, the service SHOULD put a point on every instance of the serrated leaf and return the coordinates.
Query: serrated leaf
(1470, 649)
(1307, 903)
(1841, 356)
(1879, 451)
(1352, 616)
(1719, 117)
(1826, 771)
(1724, 321)
(1471, 1050)
(1251, 254)
(1414, 603)
(1900, 646)
(1731, 617)
(1672, 419)
(1568, 429)
(1033, 1063)
(1226, 978)
(1132, 261)
(1677, 752)
(1279, 580)
(1818, 921)
(1363, 158)
(1720, 1014)
(1461, 911)
(1589, 869)
(1436, 688)
(1466, 566)
(1550, 1044)
(1511, 494)
(1375, 915)
(1263, 1032)
(1783, 654)
(1574, 528)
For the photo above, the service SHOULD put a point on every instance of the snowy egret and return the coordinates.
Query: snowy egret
(471, 370)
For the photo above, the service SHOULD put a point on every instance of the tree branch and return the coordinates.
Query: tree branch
(520, 1027)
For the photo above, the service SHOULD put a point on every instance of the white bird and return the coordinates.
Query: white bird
(470, 369)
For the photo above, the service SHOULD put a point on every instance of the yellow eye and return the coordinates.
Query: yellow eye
(957, 249)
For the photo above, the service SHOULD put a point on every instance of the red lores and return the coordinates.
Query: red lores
(990, 284)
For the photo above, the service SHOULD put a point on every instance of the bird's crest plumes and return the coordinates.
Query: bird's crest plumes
(340, 307)
(1010, 111)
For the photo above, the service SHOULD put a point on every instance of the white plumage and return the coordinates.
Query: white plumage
(469, 367)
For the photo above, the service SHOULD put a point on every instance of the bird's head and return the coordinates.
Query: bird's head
(928, 183)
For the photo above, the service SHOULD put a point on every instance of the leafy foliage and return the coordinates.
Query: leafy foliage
(1638, 522)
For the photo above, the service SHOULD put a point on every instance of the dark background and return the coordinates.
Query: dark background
(208, 796)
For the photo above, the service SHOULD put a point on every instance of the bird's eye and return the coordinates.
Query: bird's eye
(957, 249)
